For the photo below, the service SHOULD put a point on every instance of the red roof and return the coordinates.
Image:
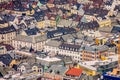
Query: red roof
(74, 72)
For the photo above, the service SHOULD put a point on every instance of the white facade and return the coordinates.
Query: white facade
(76, 56)
(36, 46)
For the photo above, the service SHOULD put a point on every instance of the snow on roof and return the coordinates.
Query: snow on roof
(49, 59)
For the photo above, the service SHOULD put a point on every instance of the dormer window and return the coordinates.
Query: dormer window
(51, 71)
(58, 72)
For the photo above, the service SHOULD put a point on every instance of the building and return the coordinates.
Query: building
(55, 72)
(104, 22)
(73, 73)
(88, 25)
(6, 48)
(29, 22)
(91, 53)
(67, 23)
(30, 38)
(98, 66)
(64, 49)
(25, 67)
(7, 34)
(7, 60)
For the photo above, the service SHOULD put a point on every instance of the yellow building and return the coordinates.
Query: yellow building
(105, 23)
(41, 24)
(100, 41)
(7, 33)
(88, 71)
(52, 23)
(46, 23)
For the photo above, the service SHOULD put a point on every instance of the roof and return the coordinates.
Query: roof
(74, 72)
(66, 37)
(7, 46)
(8, 29)
(105, 29)
(6, 59)
(31, 39)
(72, 47)
(48, 61)
(39, 15)
(116, 29)
(32, 31)
(67, 23)
(53, 43)
(88, 25)
(95, 48)
(60, 31)
(57, 69)
(97, 11)
(21, 26)
(8, 17)
(26, 65)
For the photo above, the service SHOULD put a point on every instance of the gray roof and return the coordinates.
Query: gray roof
(53, 43)
(31, 39)
(105, 29)
(90, 39)
(27, 65)
(79, 35)
(46, 63)
(68, 36)
(67, 23)
(37, 64)
(95, 48)
(55, 69)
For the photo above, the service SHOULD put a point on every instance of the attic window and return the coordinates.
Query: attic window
(58, 72)
(51, 71)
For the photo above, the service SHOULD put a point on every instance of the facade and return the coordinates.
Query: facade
(105, 23)
(26, 39)
(24, 67)
(73, 73)
(7, 34)
(46, 23)
(64, 49)
(91, 53)
(6, 48)
(99, 66)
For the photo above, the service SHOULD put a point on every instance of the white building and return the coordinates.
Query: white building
(65, 49)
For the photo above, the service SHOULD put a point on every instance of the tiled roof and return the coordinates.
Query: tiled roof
(74, 72)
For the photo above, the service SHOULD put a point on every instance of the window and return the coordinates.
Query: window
(58, 72)
(51, 71)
